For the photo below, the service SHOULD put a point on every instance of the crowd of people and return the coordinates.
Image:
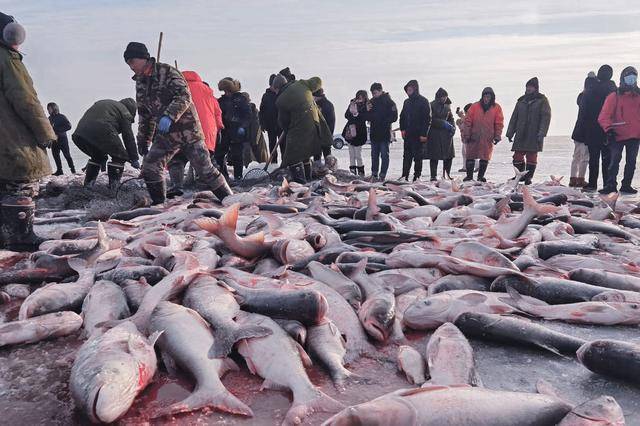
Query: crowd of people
(181, 122)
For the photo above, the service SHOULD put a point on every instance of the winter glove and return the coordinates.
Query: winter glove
(611, 137)
(164, 124)
(496, 140)
(46, 144)
(143, 149)
(449, 127)
(423, 139)
(135, 164)
(241, 132)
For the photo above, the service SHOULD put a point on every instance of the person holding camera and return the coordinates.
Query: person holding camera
(620, 120)
(355, 131)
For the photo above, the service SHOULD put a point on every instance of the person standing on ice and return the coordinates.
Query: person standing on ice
(355, 131)
(461, 113)
(269, 118)
(210, 116)
(305, 129)
(236, 117)
(25, 134)
(168, 118)
(329, 113)
(595, 137)
(61, 126)
(439, 144)
(98, 136)
(580, 158)
(415, 120)
(483, 124)
(620, 120)
(381, 114)
(528, 127)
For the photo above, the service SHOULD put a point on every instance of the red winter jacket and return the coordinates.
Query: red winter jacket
(621, 112)
(207, 106)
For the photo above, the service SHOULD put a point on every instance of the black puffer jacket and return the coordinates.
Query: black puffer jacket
(61, 126)
(439, 144)
(415, 117)
(359, 121)
(592, 104)
(269, 112)
(328, 112)
(236, 113)
(382, 115)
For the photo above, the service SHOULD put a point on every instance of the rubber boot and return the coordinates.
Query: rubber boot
(297, 173)
(433, 168)
(16, 224)
(58, 173)
(519, 165)
(572, 182)
(308, 170)
(482, 169)
(469, 169)
(223, 190)
(353, 170)
(531, 169)
(360, 170)
(156, 192)
(176, 174)
(114, 171)
(91, 173)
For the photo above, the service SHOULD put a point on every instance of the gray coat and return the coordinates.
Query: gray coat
(529, 123)
(439, 144)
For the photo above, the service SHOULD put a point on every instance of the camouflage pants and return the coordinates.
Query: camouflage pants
(162, 151)
(12, 190)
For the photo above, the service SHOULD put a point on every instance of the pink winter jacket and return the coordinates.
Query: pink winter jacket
(207, 106)
(621, 112)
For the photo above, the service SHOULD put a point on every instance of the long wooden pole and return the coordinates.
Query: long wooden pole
(159, 47)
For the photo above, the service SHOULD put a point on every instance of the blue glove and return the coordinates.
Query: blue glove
(135, 164)
(241, 132)
(164, 124)
(449, 127)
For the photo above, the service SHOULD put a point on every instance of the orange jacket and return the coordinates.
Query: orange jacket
(207, 106)
(621, 113)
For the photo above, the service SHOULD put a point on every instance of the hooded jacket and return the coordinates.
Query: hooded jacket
(415, 117)
(102, 124)
(269, 112)
(529, 123)
(621, 110)
(358, 120)
(591, 105)
(299, 117)
(23, 123)
(382, 115)
(440, 140)
(482, 125)
(207, 107)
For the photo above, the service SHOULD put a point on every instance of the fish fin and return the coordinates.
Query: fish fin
(304, 357)
(361, 268)
(271, 385)
(103, 239)
(473, 299)
(502, 206)
(531, 204)
(153, 337)
(209, 224)
(320, 403)
(599, 308)
(610, 199)
(106, 265)
(397, 335)
(169, 363)
(372, 205)
(77, 264)
(230, 217)
(152, 249)
(543, 387)
(516, 298)
(223, 401)
(224, 339)
(427, 387)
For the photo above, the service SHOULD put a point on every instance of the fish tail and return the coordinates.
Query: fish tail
(225, 338)
(206, 398)
(230, 218)
(531, 204)
(25, 311)
(320, 402)
(208, 224)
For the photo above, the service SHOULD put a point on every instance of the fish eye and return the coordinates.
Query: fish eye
(634, 306)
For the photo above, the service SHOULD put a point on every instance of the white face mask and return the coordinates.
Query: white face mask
(630, 80)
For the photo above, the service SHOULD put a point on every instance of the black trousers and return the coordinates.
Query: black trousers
(446, 167)
(62, 145)
(412, 154)
(631, 153)
(597, 151)
(94, 153)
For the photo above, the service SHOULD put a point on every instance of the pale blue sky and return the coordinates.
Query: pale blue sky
(74, 48)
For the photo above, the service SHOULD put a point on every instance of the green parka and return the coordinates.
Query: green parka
(300, 118)
(23, 123)
(529, 123)
(102, 124)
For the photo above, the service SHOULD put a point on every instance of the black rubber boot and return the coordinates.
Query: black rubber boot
(353, 170)
(91, 173)
(297, 173)
(114, 171)
(520, 166)
(176, 174)
(482, 170)
(157, 192)
(308, 170)
(360, 171)
(16, 225)
(531, 169)
(470, 164)
(223, 190)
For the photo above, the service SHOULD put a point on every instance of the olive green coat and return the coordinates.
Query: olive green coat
(104, 122)
(23, 123)
(300, 118)
(529, 123)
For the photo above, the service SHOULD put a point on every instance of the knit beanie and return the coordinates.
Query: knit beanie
(136, 50)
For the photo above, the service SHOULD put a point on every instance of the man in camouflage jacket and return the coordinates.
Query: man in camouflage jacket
(168, 123)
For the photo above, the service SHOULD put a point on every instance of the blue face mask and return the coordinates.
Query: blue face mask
(630, 80)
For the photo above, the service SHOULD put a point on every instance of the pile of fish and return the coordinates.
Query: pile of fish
(277, 277)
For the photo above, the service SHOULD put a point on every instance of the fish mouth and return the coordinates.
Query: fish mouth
(94, 406)
(376, 331)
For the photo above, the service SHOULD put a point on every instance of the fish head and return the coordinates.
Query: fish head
(448, 331)
(603, 410)
(377, 316)
(428, 313)
(380, 411)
